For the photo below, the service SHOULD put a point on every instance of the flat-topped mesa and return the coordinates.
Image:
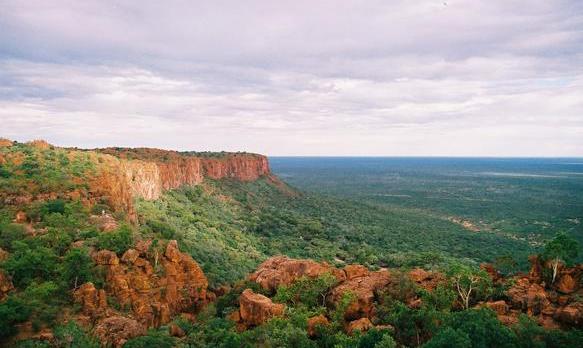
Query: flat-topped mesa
(146, 173)
(149, 172)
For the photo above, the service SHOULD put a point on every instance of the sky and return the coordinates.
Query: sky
(395, 78)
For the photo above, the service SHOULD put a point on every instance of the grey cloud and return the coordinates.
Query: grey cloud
(302, 77)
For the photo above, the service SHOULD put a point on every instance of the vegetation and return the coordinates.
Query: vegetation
(229, 227)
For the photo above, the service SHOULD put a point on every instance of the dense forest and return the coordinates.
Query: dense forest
(51, 232)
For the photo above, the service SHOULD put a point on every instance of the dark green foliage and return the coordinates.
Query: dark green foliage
(31, 261)
(154, 338)
(9, 233)
(117, 241)
(54, 206)
(161, 228)
(563, 247)
(449, 337)
(12, 311)
(306, 291)
(78, 267)
(72, 336)
(479, 325)
(374, 338)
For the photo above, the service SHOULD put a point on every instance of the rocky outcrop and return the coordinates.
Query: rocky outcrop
(360, 325)
(355, 280)
(425, 279)
(363, 287)
(5, 285)
(571, 314)
(281, 270)
(152, 291)
(6, 142)
(147, 173)
(552, 306)
(256, 309)
(116, 330)
(315, 323)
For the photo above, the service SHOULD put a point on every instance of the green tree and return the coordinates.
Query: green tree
(562, 249)
(469, 283)
(118, 241)
(31, 261)
(481, 326)
(77, 267)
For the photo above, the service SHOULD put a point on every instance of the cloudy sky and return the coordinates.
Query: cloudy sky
(387, 77)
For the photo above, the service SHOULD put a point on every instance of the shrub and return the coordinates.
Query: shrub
(118, 241)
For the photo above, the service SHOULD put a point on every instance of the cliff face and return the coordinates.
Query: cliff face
(148, 175)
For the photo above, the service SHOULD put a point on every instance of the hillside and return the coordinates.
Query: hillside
(103, 245)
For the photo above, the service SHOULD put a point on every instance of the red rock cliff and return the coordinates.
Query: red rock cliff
(126, 174)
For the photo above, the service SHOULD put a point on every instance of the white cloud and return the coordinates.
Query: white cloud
(326, 77)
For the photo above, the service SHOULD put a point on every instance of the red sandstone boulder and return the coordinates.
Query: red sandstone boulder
(362, 325)
(5, 285)
(20, 217)
(176, 331)
(281, 270)
(364, 290)
(571, 315)
(152, 298)
(92, 300)
(425, 279)
(117, 330)
(500, 307)
(255, 309)
(315, 322)
(4, 255)
(130, 256)
(105, 257)
(354, 271)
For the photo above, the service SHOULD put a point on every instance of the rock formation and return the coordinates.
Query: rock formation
(5, 285)
(281, 270)
(116, 330)
(256, 309)
(364, 287)
(316, 322)
(153, 292)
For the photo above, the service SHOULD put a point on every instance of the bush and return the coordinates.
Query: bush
(154, 338)
(310, 292)
(72, 336)
(29, 262)
(10, 233)
(77, 268)
(479, 325)
(12, 312)
(118, 241)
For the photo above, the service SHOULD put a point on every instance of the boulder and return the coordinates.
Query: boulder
(176, 331)
(362, 325)
(116, 330)
(90, 299)
(172, 252)
(425, 279)
(364, 290)
(256, 309)
(130, 256)
(5, 285)
(571, 315)
(152, 298)
(280, 270)
(106, 258)
(315, 322)
(355, 271)
(500, 307)
(20, 217)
